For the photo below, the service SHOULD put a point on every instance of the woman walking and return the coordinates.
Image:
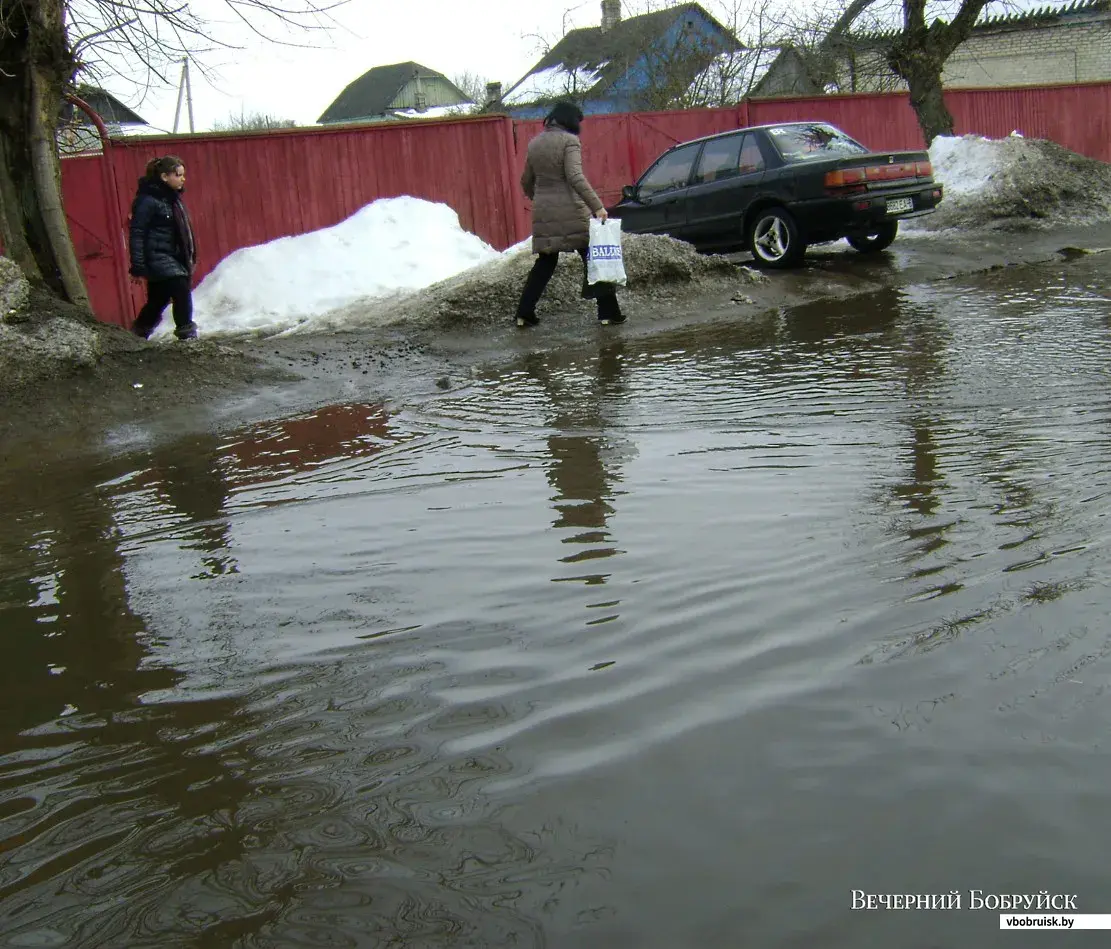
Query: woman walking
(562, 202)
(163, 251)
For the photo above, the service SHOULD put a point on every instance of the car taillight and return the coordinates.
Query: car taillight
(846, 178)
(855, 180)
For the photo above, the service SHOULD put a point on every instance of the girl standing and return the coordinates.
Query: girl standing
(163, 251)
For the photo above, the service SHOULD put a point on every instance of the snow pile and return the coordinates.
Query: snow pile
(967, 164)
(391, 246)
(1015, 182)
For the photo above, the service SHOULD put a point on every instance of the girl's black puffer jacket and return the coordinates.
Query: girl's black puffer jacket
(162, 244)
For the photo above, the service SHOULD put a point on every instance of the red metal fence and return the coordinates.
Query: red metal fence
(252, 188)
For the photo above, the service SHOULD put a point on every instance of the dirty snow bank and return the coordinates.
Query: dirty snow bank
(43, 345)
(46, 344)
(14, 291)
(391, 246)
(36, 342)
(659, 269)
(1015, 183)
(50, 346)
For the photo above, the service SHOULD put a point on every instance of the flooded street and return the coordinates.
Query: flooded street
(653, 642)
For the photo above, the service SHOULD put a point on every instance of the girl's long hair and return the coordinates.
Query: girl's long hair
(157, 167)
(566, 115)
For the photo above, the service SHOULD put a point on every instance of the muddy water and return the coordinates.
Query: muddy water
(665, 642)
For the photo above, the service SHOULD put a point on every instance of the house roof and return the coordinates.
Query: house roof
(104, 104)
(602, 57)
(372, 93)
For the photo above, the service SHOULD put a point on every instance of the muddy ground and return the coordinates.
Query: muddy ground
(125, 386)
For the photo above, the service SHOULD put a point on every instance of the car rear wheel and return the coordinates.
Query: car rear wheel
(879, 239)
(774, 239)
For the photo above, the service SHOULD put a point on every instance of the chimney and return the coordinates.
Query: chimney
(611, 14)
(493, 94)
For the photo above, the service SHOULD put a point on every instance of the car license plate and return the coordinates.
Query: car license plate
(899, 205)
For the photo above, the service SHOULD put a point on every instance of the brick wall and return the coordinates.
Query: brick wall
(1016, 56)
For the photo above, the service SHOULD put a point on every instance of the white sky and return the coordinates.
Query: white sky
(489, 38)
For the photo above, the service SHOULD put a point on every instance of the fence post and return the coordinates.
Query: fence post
(627, 123)
(518, 215)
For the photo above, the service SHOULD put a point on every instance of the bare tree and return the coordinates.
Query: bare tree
(252, 122)
(761, 31)
(473, 86)
(836, 49)
(570, 85)
(44, 45)
(918, 56)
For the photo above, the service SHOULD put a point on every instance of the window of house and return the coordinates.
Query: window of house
(719, 159)
(671, 172)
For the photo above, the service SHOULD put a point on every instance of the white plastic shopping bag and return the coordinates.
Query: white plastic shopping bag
(605, 262)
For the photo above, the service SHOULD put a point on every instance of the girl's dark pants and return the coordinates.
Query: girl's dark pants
(541, 273)
(159, 293)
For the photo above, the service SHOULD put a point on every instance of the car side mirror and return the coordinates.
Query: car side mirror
(629, 193)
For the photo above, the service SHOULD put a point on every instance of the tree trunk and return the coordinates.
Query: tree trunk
(928, 102)
(918, 58)
(919, 55)
(33, 227)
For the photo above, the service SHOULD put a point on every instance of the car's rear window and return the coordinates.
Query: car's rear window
(812, 142)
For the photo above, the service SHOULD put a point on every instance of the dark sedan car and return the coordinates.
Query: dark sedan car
(776, 189)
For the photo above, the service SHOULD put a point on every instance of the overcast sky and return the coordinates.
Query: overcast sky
(490, 38)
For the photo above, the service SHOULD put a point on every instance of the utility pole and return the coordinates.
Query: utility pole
(189, 95)
(184, 88)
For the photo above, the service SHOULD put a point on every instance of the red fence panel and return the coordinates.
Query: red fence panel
(651, 132)
(1077, 115)
(87, 200)
(884, 122)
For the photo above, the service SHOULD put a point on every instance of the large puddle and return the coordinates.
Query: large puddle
(668, 642)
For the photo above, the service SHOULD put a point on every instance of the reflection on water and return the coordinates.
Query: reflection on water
(650, 643)
(585, 468)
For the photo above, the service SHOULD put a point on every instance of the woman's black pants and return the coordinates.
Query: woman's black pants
(159, 293)
(541, 273)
